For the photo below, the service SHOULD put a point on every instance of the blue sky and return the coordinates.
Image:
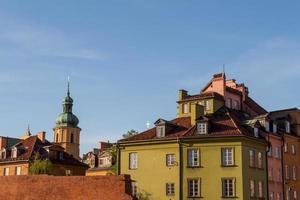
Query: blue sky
(128, 58)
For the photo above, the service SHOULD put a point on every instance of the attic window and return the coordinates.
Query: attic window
(14, 152)
(160, 131)
(255, 132)
(185, 108)
(274, 128)
(267, 126)
(3, 154)
(202, 128)
(287, 127)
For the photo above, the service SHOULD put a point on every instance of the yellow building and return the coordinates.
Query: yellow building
(207, 152)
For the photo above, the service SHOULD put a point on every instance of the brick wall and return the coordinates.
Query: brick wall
(63, 188)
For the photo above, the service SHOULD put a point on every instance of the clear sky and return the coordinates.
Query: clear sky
(128, 58)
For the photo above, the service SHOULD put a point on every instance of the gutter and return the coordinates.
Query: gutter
(180, 170)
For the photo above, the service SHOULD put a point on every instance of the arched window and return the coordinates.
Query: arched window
(72, 138)
(56, 137)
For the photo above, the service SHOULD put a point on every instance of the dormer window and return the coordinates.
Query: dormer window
(287, 127)
(274, 128)
(202, 128)
(14, 152)
(256, 132)
(267, 126)
(160, 131)
(3, 154)
(185, 108)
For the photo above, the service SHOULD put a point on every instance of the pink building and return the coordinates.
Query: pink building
(275, 167)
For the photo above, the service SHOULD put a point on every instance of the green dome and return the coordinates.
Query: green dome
(67, 119)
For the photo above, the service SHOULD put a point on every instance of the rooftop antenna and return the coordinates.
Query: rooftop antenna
(28, 130)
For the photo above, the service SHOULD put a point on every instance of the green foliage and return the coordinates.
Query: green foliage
(114, 161)
(129, 133)
(40, 165)
(143, 196)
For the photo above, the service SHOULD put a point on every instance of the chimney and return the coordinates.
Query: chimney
(196, 111)
(182, 94)
(42, 136)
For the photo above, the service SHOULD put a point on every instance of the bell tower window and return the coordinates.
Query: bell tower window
(72, 138)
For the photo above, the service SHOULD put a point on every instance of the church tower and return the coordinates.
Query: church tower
(66, 131)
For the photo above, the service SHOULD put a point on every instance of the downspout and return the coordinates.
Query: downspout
(267, 165)
(118, 160)
(180, 170)
(282, 167)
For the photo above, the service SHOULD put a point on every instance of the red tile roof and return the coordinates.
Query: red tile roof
(222, 123)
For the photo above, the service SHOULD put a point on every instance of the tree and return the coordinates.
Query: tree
(114, 161)
(129, 133)
(40, 165)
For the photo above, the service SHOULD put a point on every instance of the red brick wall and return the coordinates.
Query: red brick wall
(64, 188)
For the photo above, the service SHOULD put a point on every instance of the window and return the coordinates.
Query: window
(295, 195)
(294, 174)
(259, 160)
(287, 127)
(277, 152)
(279, 195)
(252, 188)
(14, 152)
(267, 126)
(229, 102)
(202, 128)
(285, 147)
(293, 149)
(228, 187)
(133, 188)
(252, 158)
(72, 138)
(160, 131)
(227, 157)
(133, 161)
(194, 188)
(18, 170)
(170, 159)
(185, 108)
(170, 189)
(60, 155)
(271, 174)
(271, 196)
(260, 189)
(236, 104)
(207, 105)
(57, 137)
(270, 151)
(274, 128)
(68, 172)
(256, 132)
(193, 157)
(6, 171)
(287, 172)
(3, 154)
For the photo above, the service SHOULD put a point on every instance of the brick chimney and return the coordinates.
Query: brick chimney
(42, 136)
(182, 94)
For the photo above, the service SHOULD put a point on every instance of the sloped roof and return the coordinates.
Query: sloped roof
(204, 95)
(222, 123)
(255, 106)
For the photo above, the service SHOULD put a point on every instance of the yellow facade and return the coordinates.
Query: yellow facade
(12, 168)
(152, 174)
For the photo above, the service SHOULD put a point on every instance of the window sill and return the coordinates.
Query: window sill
(133, 168)
(194, 197)
(234, 197)
(226, 166)
(192, 167)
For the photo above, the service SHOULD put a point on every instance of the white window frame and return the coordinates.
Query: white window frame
(160, 131)
(277, 152)
(227, 156)
(18, 170)
(251, 158)
(193, 187)
(270, 153)
(185, 108)
(287, 172)
(134, 188)
(228, 187)
(287, 127)
(207, 105)
(202, 128)
(6, 171)
(170, 189)
(286, 147)
(252, 188)
(260, 189)
(133, 160)
(267, 126)
(193, 157)
(293, 147)
(274, 128)
(260, 160)
(170, 160)
(256, 132)
(294, 173)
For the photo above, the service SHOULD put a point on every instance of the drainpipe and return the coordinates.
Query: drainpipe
(267, 165)
(180, 170)
(118, 160)
(282, 167)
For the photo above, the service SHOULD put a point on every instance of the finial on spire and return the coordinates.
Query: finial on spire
(68, 93)
(28, 131)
